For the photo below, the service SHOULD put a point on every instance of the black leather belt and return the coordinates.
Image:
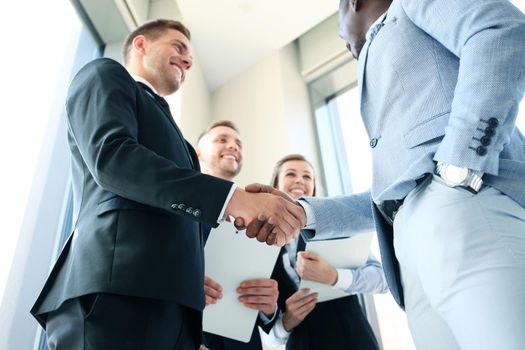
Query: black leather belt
(389, 209)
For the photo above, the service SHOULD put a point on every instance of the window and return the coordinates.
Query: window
(45, 46)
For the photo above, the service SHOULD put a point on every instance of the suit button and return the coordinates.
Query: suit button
(182, 206)
(485, 140)
(173, 206)
(490, 131)
(189, 210)
(373, 142)
(493, 122)
(481, 151)
(197, 213)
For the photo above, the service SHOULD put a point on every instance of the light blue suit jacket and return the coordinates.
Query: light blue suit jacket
(434, 81)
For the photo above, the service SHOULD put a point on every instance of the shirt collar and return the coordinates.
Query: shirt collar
(145, 82)
(378, 22)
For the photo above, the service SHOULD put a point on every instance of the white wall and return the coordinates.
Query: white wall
(269, 104)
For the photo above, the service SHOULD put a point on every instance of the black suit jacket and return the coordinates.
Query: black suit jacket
(138, 195)
(335, 324)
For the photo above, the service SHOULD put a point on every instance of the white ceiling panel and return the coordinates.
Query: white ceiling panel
(231, 35)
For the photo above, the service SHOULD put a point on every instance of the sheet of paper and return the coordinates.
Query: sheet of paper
(230, 258)
(340, 253)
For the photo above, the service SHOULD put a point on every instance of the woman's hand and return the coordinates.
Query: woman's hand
(298, 306)
(312, 267)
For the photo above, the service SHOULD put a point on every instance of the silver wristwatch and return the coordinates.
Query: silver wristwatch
(455, 176)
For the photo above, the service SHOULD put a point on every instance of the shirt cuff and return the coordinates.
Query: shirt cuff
(279, 331)
(265, 318)
(345, 277)
(222, 215)
(310, 216)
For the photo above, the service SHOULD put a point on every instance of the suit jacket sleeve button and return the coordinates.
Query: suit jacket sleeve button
(173, 206)
(189, 210)
(182, 206)
(493, 122)
(490, 131)
(481, 151)
(197, 213)
(485, 140)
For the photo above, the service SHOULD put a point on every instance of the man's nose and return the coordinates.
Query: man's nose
(233, 145)
(187, 61)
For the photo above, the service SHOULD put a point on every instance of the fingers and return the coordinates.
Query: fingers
(302, 305)
(254, 227)
(259, 282)
(277, 220)
(262, 229)
(239, 223)
(260, 188)
(212, 290)
(300, 294)
(257, 188)
(209, 300)
(298, 306)
(308, 255)
(260, 294)
(259, 287)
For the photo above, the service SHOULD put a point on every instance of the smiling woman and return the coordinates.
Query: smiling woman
(41, 56)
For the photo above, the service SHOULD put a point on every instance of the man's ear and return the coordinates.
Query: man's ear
(138, 44)
(199, 153)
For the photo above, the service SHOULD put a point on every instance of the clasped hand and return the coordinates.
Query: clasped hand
(267, 214)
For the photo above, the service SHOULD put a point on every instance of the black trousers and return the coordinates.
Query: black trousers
(118, 322)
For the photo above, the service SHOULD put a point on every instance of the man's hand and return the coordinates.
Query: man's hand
(260, 294)
(312, 267)
(298, 306)
(212, 291)
(272, 216)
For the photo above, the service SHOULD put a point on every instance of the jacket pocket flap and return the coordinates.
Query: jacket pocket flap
(116, 203)
(426, 131)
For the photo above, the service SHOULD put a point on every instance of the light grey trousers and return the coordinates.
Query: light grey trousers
(462, 259)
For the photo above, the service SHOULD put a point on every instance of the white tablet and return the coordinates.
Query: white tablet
(230, 258)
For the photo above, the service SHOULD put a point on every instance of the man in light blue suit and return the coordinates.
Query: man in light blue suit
(440, 82)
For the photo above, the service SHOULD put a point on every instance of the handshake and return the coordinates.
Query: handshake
(267, 214)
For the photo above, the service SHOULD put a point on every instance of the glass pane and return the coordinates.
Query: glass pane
(42, 45)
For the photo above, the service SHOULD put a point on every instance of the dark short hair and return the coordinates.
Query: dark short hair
(226, 123)
(274, 181)
(153, 30)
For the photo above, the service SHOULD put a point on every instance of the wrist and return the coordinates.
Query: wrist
(235, 203)
(334, 277)
(287, 324)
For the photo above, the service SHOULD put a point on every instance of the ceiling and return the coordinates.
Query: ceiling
(229, 36)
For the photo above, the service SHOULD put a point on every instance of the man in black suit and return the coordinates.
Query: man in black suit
(220, 153)
(131, 274)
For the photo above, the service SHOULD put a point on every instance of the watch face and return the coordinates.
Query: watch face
(455, 175)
